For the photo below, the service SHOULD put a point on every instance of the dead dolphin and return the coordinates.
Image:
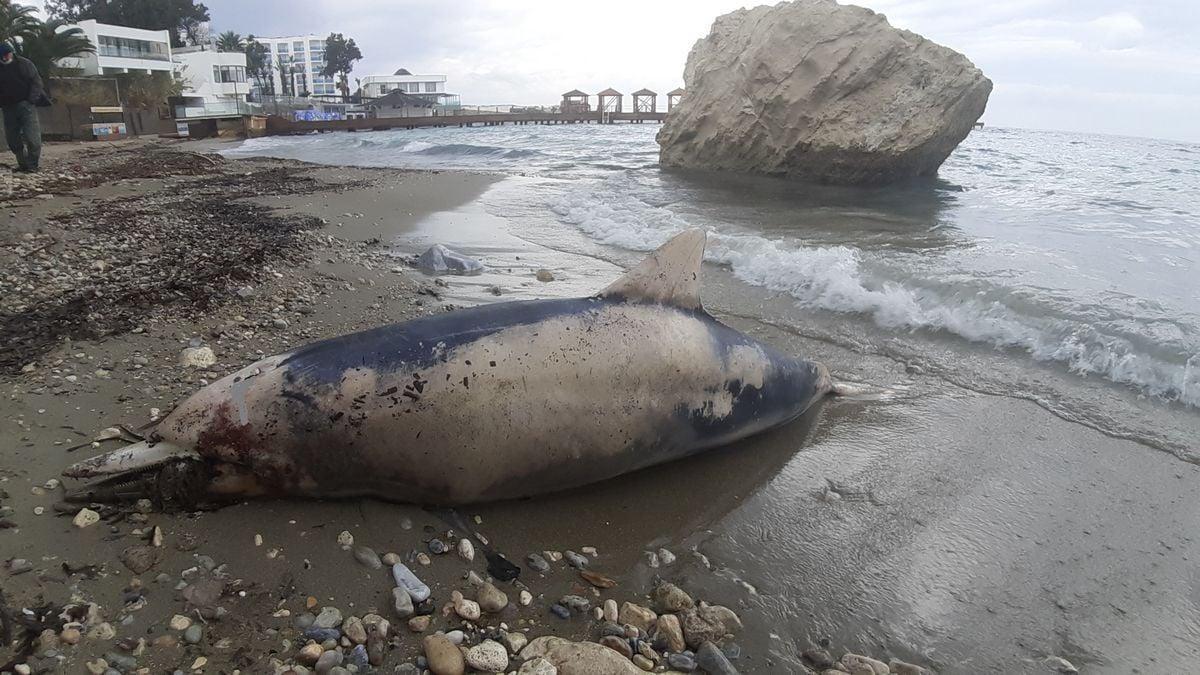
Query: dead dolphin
(498, 401)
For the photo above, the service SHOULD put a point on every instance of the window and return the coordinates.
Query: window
(298, 46)
(282, 48)
(229, 74)
(430, 87)
(316, 44)
(128, 48)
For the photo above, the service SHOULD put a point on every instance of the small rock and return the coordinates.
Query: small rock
(525, 598)
(575, 560)
(345, 539)
(406, 579)
(898, 667)
(367, 556)
(665, 557)
(537, 563)
(419, 624)
(669, 632)
(618, 644)
(355, 630)
(610, 610)
(390, 559)
(86, 518)
(488, 656)
(684, 663)
(545, 275)
(456, 636)
(560, 611)
(708, 623)
(575, 603)
(1059, 664)
(466, 550)
(713, 661)
(70, 636)
(638, 616)
(443, 655)
(197, 357)
(140, 558)
(330, 617)
(437, 546)
(671, 598)
(402, 602)
(819, 659)
(643, 663)
(490, 598)
(310, 653)
(328, 660)
(514, 641)
(467, 609)
(193, 634)
(856, 664)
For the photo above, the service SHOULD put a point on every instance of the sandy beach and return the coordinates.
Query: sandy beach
(959, 528)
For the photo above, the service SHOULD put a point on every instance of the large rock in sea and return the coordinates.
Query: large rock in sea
(822, 92)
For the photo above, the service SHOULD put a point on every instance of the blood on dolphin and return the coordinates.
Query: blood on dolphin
(493, 402)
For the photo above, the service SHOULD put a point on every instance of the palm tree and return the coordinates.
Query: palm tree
(230, 41)
(49, 43)
(16, 22)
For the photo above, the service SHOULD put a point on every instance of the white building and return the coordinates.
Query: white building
(429, 87)
(297, 62)
(123, 50)
(211, 74)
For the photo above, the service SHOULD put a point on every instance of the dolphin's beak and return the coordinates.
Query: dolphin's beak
(169, 475)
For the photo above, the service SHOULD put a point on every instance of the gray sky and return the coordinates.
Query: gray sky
(1110, 66)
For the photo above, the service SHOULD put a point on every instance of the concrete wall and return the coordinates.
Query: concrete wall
(197, 69)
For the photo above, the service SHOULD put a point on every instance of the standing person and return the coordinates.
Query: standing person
(20, 90)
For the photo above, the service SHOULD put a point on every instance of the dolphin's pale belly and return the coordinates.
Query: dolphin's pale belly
(461, 408)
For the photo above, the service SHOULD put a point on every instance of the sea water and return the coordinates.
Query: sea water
(1057, 266)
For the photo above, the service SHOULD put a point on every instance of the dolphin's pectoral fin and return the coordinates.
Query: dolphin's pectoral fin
(669, 276)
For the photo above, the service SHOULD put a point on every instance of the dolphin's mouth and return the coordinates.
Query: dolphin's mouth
(171, 476)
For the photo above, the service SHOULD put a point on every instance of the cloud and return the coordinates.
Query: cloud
(1117, 31)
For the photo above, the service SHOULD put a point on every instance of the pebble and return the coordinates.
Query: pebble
(367, 556)
(390, 559)
(354, 629)
(193, 634)
(359, 658)
(525, 598)
(199, 663)
(575, 560)
(140, 558)
(419, 624)
(466, 550)
(560, 611)
(345, 539)
(669, 632)
(488, 656)
(309, 653)
(575, 603)
(713, 661)
(304, 620)
(514, 641)
(643, 663)
(86, 518)
(402, 602)
(70, 636)
(456, 636)
(467, 609)
(197, 357)
(637, 616)
(19, 566)
(330, 617)
(406, 579)
(328, 660)
(618, 644)
(443, 655)
(537, 563)
(322, 634)
(665, 557)
(819, 658)
(437, 546)
(681, 662)
(491, 599)
(610, 610)
(423, 558)
(898, 667)
(670, 598)
(1060, 664)
(857, 663)
(545, 275)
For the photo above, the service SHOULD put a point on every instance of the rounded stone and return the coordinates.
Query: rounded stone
(488, 656)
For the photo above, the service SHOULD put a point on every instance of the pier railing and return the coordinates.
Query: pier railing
(280, 126)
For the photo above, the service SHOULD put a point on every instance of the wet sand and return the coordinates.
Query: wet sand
(960, 531)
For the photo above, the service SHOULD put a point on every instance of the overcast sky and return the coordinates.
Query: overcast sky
(1107, 66)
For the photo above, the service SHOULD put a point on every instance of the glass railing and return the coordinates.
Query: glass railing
(217, 109)
(124, 53)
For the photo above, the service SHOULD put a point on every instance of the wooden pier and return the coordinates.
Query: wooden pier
(279, 126)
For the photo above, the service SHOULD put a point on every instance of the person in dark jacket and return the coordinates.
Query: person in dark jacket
(20, 90)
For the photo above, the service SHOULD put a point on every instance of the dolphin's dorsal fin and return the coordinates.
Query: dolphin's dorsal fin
(668, 276)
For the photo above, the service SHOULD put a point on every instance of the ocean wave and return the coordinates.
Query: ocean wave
(838, 279)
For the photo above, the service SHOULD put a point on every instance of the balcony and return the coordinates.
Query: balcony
(132, 53)
(216, 109)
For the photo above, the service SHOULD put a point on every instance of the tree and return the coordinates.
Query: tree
(340, 55)
(259, 66)
(230, 41)
(51, 43)
(17, 22)
(184, 18)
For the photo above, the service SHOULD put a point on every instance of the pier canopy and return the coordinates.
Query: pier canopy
(575, 101)
(644, 101)
(609, 100)
(674, 96)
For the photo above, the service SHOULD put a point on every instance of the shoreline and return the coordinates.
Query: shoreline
(886, 527)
